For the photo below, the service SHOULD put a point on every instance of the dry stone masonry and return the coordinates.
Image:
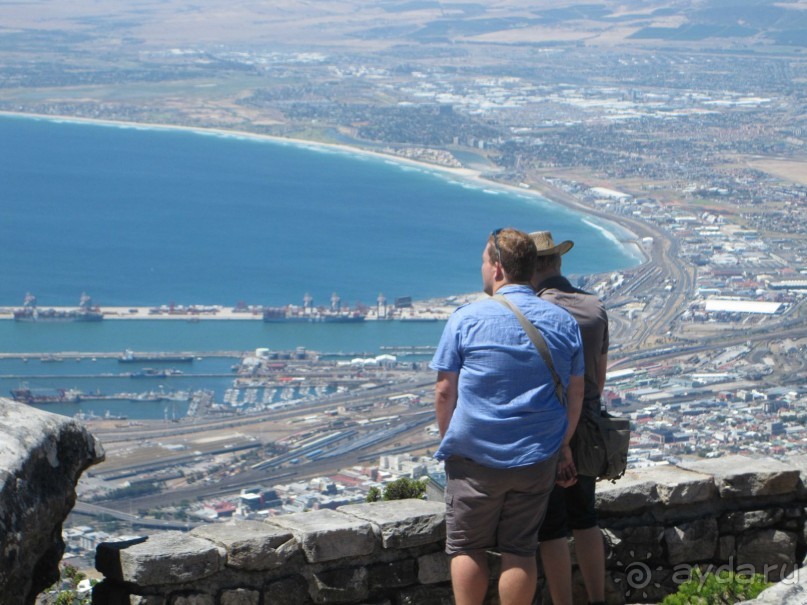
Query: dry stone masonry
(384, 552)
(659, 524)
(746, 514)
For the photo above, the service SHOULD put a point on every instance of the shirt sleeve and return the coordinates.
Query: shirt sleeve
(447, 357)
(578, 367)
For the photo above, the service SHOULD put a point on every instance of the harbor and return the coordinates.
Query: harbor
(162, 384)
(401, 309)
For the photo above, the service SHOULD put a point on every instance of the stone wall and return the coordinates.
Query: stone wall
(41, 458)
(658, 523)
(732, 512)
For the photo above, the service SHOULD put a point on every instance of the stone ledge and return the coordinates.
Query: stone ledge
(326, 535)
(166, 558)
(403, 523)
(698, 481)
(741, 476)
(251, 545)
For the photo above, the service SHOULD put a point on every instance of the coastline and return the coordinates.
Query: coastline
(475, 177)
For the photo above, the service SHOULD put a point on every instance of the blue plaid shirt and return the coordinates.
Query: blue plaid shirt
(507, 413)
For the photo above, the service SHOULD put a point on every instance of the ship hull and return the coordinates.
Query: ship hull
(57, 316)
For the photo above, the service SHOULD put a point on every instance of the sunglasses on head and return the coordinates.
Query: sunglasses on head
(495, 234)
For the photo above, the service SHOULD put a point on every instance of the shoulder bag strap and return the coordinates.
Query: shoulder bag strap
(540, 343)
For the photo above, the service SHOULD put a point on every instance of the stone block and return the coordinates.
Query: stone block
(240, 596)
(107, 556)
(741, 476)
(339, 585)
(403, 523)
(676, 486)
(738, 522)
(288, 591)
(134, 600)
(326, 535)
(193, 599)
(794, 512)
(251, 545)
(643, 543)
(163, 559)
(726, 548)
(392, 575)
(799, 462)
(769, 552)
(434, 568)
(426, 595)
(629, 495)
(692, 542)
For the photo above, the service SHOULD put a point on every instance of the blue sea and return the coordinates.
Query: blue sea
(139, 216)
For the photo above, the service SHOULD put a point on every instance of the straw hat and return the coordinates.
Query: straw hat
(545, 245)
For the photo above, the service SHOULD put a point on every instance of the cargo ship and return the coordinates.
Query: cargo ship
(33, 396)
(336, 313)
(130, 356)
(294, 314)
(155, 373)
(86, 311)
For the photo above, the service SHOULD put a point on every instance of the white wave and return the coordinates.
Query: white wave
(632, 248)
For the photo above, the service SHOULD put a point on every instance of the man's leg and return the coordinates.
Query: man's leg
(557, 564)
(469, 578)
(518, 579)
(590, 551)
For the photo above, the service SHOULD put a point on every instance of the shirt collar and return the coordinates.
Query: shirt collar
(515, 288)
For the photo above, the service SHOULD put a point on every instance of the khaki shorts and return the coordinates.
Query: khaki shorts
(496, 509)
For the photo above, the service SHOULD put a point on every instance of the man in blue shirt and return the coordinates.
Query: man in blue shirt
(502, 423)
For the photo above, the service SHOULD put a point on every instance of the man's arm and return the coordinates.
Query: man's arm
(574, 405)
(567, 473)
(445, 399)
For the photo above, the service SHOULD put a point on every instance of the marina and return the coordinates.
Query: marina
(96, 383)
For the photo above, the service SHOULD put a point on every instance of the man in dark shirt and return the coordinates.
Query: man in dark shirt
(572, 506)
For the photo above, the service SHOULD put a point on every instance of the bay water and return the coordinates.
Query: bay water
(140, 216)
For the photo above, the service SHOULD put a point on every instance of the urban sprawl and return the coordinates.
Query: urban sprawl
(696, 148)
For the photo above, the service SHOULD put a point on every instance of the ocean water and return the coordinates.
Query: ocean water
(138, 216)
(148, 216)
(105, 375)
